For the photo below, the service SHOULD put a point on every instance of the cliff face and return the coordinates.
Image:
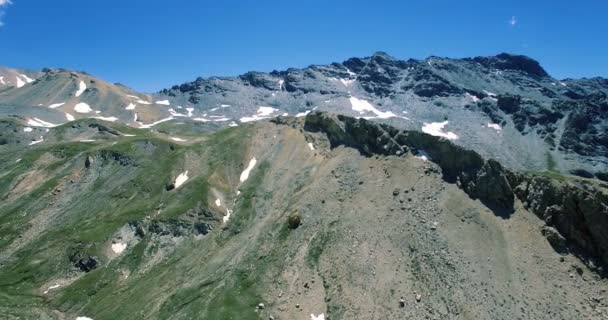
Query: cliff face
(481, 179)
(577, 211)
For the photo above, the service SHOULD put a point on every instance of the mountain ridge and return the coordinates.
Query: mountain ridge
(504, 106)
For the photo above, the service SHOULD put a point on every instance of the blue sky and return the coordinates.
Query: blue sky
(152, 44)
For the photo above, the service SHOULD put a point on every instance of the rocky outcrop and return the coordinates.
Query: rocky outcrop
(484, 180)
(575, 212)
(577, 209)
(505, 61)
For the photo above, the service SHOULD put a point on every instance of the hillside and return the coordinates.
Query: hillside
(316, 217)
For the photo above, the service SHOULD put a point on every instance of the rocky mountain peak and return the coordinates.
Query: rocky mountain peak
(507, 61)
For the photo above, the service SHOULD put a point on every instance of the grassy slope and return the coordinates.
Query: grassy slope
(118, 196)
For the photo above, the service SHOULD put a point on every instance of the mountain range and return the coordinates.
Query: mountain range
(375, 188)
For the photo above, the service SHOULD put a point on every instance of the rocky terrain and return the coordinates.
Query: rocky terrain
(505, 107)
(375, 188)
(316, 217)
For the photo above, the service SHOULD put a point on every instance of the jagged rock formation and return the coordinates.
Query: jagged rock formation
(577, 209)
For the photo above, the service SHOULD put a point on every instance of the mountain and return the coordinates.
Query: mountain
(317, 217)
(374, 188)
(505, 107)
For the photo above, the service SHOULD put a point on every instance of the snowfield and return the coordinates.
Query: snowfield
(110, 119)
(148, 126)
(363, 106)
(35, 122)
(179, 181)
(37, 141)
(436, 129)
(319, 317)
(262, 113)
(81, 88)
(163, 102)
(302, 114)
(119, 247)
(82, 108)
(56, 105)
(245, 173)
(494, 126)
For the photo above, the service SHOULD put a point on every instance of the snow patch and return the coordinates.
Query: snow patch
(436, 129)
(225, 105)
(189, 111)
(56, 105)
(86, 140)
(82, 108)
(233, 124)
(281, 84)
(218, 202)
(563, 84)
(474, 98)
(27, 79)
(37, 141)
(302, 114)
(311, 146)
(119, 247)
(227, 216)
(163, 102)
(262, 113)
(147, 126)
(181, 179)
(35, 122)
(20, 83)
(176, 114)
(2, 81)
(53, 287)
(81, 88)
(177, 139)
(131, 106)
(245, 173)
(319, 317)
(491, 94)
(142, 102)
(83, 318)
(110, 119)
(27, 129)
(494, 126)
(363, 106)
(347, 82)
(69, 117)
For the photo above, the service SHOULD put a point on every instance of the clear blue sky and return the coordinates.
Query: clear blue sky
(152, 44)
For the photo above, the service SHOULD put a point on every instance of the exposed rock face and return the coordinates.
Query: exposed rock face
(481, 179)
(491, 185)
(578, 210)
(574, 211)
(505, 61)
